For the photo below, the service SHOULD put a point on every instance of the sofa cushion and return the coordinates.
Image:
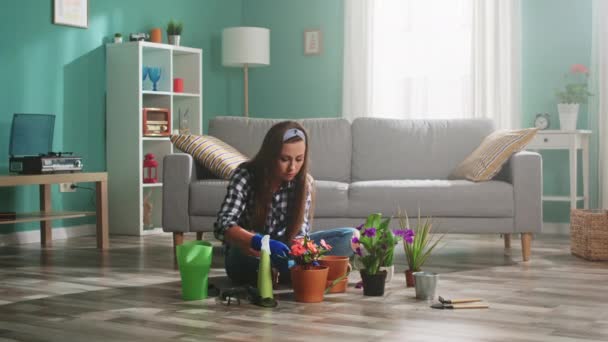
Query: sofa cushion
(331, 199)
(212, 153)
(330, 142)
(493, 152)
(451, 198)
(206, 196)
(385, 149)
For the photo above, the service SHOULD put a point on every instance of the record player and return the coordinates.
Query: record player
(31, 141)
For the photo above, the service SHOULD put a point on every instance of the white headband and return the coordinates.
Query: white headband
(293, 132)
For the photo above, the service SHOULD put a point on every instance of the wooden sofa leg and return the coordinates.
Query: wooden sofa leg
(507, 240)
(178, 239)
(526, 245)
(199, 235)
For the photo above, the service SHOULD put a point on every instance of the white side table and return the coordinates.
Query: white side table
(571, 141)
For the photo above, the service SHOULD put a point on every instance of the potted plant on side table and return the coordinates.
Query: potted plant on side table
(574, 94)
(308, 278)
(418, 243)
(372, 249)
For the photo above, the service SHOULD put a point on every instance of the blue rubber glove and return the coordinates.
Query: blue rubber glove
(277, 248)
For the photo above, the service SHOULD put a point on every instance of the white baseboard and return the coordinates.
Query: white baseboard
(59, 233)
(556, 228)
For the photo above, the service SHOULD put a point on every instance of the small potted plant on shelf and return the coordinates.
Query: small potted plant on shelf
(373, 248)
(308, 278)
(418, 243)
(174, 31)
(117, 38)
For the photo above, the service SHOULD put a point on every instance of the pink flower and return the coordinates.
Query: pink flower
(579, 69)
(325, 245)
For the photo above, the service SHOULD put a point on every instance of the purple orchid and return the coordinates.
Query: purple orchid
(369, 232)
(406, 234)
(355, 239)
(358, 251)
(359, 226)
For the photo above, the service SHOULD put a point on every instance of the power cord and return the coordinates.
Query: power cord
(74, 186)
(91, 199)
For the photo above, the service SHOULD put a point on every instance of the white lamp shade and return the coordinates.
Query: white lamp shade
(245, 45)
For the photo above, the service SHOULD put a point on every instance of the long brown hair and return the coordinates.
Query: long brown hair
(263, 165)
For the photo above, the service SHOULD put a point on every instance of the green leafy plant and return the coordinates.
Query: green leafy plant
(391, 240)
(576, 90)
(117, 35)
(174, 28)
(418, 244)
(378, 243)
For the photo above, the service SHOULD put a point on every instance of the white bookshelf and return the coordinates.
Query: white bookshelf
(126, 146)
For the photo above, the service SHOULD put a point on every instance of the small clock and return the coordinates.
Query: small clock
(542, 121)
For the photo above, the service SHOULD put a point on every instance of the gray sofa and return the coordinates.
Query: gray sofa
(374, 165)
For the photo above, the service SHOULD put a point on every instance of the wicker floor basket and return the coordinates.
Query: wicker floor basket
(589, 234)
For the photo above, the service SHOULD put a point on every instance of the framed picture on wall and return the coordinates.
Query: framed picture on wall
(71, 13)
(312, 42)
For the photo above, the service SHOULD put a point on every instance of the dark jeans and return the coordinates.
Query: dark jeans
(243, 269)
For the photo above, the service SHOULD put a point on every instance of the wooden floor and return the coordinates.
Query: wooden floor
(72, 292)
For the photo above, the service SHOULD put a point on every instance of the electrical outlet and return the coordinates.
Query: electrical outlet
(67, 187)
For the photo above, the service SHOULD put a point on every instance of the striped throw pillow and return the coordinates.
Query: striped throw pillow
(215, 155)
(495, 149)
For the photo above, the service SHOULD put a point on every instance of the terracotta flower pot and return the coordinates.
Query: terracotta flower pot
(338, 266)
(409, 278)
(340, 286)
(309, 284)
(373, 284)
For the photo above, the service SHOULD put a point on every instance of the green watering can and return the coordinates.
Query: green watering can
(194, 261)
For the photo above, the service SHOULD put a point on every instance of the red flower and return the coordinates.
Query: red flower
(297, 249)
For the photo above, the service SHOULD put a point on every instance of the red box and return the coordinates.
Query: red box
(178, 85)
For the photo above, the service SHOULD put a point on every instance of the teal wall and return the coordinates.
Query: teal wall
(48, 68)
(295, 85)
(556, 34)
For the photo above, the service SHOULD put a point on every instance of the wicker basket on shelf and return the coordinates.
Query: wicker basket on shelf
(589, 234)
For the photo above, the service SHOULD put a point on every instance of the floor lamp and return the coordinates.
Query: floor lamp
(246, 47)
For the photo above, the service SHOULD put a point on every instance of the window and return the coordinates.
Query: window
(421, 58)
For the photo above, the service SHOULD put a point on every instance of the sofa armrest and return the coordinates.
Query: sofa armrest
(177, 176)
(524, 170)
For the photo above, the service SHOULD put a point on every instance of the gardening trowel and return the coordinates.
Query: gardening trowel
(458, 301)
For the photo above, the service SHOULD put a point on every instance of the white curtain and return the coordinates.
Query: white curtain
(599, 86)
(356, 83)
(432, 59)
(496, 61)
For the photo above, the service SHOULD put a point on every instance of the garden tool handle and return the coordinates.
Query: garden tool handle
(474, 306)
(465, 300)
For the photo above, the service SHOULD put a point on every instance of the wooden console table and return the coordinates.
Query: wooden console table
(45, 216)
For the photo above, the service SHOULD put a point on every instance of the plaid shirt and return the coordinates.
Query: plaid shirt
(238, 206)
